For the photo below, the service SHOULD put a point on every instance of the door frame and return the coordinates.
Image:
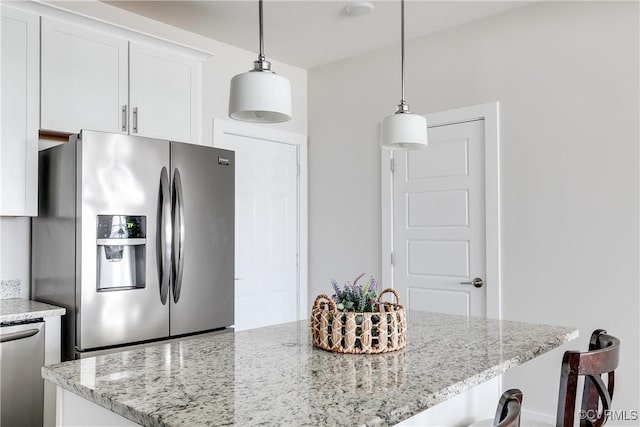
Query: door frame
(223, 127)
(488, 112)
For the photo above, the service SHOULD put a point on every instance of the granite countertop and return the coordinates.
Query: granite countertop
(15, 309)
(273, 374)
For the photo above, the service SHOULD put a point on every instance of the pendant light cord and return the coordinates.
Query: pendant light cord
(402, 101)
(261, 56)
(261, 64)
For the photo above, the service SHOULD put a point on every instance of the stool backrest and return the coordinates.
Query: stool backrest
(602, 358)
(509, 409)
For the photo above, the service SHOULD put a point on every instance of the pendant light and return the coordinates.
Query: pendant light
(403, 130)
(260, 95)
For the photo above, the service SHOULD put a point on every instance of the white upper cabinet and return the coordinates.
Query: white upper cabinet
(164, 94)
(94, 80)
(84, 79)
(20, 95)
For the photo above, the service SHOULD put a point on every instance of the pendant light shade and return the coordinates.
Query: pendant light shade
(260, 95)
(403, 130)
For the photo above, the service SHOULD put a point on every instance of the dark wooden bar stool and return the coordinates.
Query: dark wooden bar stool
(602, 358)
(509, 409)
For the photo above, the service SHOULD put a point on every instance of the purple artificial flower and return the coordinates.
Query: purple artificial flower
(358, 278)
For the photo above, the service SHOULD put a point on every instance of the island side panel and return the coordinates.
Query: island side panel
(475, 404)
(75, 411)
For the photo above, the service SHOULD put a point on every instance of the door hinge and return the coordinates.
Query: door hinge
(298, 260)
(393, 258)
(392, 165)
(298, 169)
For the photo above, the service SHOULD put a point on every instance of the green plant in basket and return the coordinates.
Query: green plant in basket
(356, 297)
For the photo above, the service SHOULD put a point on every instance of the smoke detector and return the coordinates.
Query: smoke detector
(357, 8)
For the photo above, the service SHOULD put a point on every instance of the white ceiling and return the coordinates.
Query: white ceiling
(309, 33)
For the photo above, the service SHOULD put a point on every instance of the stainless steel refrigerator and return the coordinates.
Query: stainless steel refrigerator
(135, 238)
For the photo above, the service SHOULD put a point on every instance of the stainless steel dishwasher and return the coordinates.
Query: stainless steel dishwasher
(22, 357)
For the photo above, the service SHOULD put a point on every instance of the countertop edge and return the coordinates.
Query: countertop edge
(32, 315)
(17, 309)
(104, 401)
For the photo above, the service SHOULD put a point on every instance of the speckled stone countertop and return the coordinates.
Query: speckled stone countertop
(15, 309)
(273, 375)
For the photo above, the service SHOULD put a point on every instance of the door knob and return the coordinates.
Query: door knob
(477, 282)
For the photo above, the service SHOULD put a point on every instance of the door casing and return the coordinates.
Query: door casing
(490, 113)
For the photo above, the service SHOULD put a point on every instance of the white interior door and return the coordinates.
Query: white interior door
(439, 221)
(266, 291)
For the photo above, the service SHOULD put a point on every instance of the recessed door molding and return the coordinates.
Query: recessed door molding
(488, 112)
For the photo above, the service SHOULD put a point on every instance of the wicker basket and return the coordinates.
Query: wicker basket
(381, 331)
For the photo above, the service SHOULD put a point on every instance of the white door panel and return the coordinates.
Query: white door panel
(448, 259)
(439, 223)
(455, 302)
(438, 209)
(443, 158)
(266, 231)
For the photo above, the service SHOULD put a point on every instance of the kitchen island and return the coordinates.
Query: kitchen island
(273, 375)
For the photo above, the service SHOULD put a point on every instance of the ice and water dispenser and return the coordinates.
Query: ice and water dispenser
(121, 243)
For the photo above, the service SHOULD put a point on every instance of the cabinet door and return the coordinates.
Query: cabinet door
(165, 94)
(20, 91)
(84, 79)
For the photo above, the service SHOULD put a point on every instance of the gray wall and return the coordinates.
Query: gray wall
(566, 76)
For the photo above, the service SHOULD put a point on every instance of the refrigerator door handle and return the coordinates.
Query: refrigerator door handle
(163, 255)
(178, 234)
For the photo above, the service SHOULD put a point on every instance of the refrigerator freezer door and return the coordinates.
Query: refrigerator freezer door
(203, 238)
(120, 176)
